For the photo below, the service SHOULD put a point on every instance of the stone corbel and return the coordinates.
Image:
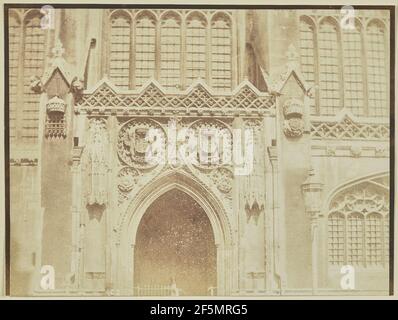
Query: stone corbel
(36, 85)
(76, 88)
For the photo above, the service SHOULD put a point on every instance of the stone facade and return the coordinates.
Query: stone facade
(83, 95)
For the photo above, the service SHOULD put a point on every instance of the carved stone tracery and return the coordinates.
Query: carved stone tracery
(363, 199)
(198, 100)
(358, 224)
(348, 129)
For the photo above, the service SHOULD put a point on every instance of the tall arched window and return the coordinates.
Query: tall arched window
(119, 57)
(358, 225)
(34, 54)
(195, 66)
(170, 52)
(221, 51)
(15, 32)
(353, 70)
(307, 54)
(145, 50)
(376, 61)
(329, 68)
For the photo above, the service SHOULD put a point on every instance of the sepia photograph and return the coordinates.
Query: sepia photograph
(198, 150)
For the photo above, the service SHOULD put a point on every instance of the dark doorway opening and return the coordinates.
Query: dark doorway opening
(175, 244)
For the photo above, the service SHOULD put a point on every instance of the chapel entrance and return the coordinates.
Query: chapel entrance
(175, 244)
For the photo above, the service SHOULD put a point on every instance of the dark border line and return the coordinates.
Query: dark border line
(193, 6)
(392, 148)
(8, 6)
(7, 156)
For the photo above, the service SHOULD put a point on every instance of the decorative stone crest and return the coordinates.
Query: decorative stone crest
(223, 179)
(381, 151)
(127, 179)
(133, 142)
(356, 151)
(331, 150)
(293, 126)
(215, 132)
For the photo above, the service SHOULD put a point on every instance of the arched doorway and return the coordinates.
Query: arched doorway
(175, 244)
(126, 233)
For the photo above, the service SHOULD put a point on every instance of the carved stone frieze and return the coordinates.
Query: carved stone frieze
(348, 129)
(198, 100)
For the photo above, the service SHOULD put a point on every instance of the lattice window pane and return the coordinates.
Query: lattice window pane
(14, 51)
(196, 50)
(353, 71)
(329, 72)
(374, 239)
(33, 66)
(386, 229)
(377, 83)
(355, 241)
(119, 63)
(307, 56)
(145, 50)
(170, 53)
(336, 236)
(221, 51)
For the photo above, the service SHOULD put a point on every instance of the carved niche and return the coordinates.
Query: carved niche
(97, 162)
(293, 125)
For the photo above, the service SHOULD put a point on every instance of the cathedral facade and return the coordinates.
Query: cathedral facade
(87, 85)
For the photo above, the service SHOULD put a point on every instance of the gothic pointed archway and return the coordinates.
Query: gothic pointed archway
(129, 229)
(175, 244)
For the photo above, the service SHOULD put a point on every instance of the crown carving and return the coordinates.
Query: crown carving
(56, 105)
(293, 108)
